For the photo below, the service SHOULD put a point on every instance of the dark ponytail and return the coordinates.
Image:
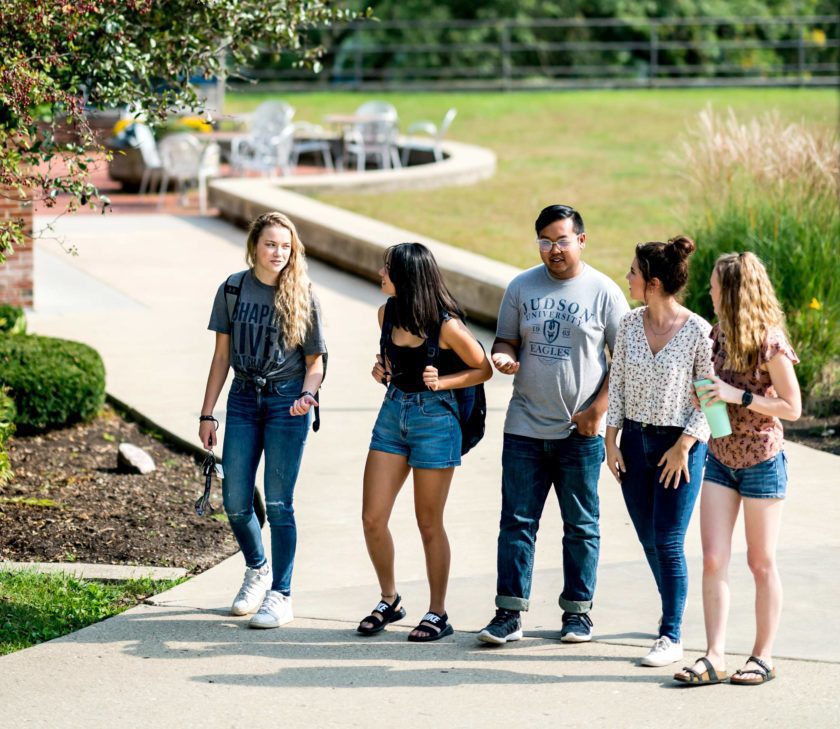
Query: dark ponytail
(666, 261)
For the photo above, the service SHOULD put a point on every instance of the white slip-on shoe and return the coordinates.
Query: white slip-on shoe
(276, 610)
(663, 652)
(252, 592)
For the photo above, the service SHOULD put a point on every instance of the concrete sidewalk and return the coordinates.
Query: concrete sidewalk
(140, 292)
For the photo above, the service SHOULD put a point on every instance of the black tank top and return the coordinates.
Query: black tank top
(408, 363)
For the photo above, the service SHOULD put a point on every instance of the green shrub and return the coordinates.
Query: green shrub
(54, 382)
(7, 427)
(773, 189)
(12, 320)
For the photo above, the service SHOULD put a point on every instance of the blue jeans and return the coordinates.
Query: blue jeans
(661, 515)
(256, 423)
(530, 467)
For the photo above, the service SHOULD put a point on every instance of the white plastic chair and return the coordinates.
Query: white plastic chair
(435, 137)
(374, 138)
(186, 160)
(143, 140)
(267, 147)
(316, 142)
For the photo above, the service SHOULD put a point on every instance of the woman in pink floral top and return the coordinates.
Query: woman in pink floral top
(754, 363)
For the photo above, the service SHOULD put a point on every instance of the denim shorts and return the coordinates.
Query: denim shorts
(765, 480)
(422, 426)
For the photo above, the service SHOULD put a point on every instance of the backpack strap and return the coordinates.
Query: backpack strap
(433, 340)
(233, 290)
(387, 328)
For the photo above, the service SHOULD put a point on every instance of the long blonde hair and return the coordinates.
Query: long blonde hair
(292, 296)
(747, 310)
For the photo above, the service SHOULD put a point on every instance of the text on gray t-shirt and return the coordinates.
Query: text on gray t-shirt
(256, 343)
(564, 327)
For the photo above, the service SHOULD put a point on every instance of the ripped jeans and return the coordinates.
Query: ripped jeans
(257, 422)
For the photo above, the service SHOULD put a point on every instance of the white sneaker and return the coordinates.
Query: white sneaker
(663, 652)
(276, 610)
(252, 592)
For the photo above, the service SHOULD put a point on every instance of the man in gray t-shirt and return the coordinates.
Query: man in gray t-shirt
(555, 325)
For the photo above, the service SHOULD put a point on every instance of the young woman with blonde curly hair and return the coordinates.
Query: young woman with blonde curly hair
(753, 363)
(268, 329)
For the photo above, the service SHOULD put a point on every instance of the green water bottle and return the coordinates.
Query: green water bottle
(715, 413)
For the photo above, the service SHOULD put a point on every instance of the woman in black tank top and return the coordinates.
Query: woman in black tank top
(417, 428)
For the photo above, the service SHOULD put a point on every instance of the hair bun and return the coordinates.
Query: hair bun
(682, 245)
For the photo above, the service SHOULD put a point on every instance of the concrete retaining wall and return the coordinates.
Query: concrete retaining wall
(357, 244)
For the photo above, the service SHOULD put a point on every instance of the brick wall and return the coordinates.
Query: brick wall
(16, 273)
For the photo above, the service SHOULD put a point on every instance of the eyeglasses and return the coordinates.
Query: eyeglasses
(546, 245)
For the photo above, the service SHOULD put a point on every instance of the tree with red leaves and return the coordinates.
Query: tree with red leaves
(61, 57)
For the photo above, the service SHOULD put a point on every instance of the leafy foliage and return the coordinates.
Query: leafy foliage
(772, 188)
(12, 319)
(54, 382)
(7, 428)
(476, 51)
(35, 608)
(61, 58)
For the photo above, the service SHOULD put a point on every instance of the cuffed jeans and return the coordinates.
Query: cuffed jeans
(530, 467)
(258, 422)
(659, 515)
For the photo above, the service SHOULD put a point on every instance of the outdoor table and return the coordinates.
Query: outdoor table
(347, 122)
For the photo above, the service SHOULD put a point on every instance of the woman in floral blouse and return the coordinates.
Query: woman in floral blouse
(661, 349)
(754, 365)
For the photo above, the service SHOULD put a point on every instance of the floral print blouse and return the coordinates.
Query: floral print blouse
(656, 389)
(755, 437)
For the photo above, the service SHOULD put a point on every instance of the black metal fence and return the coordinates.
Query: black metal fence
(564, 53)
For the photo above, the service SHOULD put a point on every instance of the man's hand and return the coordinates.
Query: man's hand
(588, 421)
(505, 363)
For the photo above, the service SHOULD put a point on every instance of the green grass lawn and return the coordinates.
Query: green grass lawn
(612, 154)
(35, 608)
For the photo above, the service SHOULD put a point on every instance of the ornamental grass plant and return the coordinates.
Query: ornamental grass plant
(772, 188)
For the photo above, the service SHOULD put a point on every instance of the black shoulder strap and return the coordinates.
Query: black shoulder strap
(233, 289)
(387, 327)
(433, 340)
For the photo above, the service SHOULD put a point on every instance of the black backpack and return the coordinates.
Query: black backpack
(233, 289)
(472, 403)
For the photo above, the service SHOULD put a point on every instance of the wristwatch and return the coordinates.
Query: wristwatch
(746, 398)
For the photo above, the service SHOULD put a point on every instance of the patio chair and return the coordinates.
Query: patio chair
(374, 138)
(142, 139)
(313, 140)
(267, 147)
(186, 160)
(435, 136)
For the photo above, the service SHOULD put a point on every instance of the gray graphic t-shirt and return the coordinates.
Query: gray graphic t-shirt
(564, 328)
(256, 345)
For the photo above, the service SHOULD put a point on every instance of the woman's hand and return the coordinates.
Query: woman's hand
(379, 373)
(430, 378)
(207, 433)
(302, 405)
(615, 461)
(675, 462)
(719, 391)
(506, 364)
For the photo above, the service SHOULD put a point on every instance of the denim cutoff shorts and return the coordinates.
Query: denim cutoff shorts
(765, 480)
(422, 426)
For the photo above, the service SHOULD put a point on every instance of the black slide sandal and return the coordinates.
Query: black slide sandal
(438, 629)
(390, 614)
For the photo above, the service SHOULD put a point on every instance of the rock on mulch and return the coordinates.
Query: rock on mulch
(68, 501)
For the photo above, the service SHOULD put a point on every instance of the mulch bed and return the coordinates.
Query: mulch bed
(820, 433)
(68, 502)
